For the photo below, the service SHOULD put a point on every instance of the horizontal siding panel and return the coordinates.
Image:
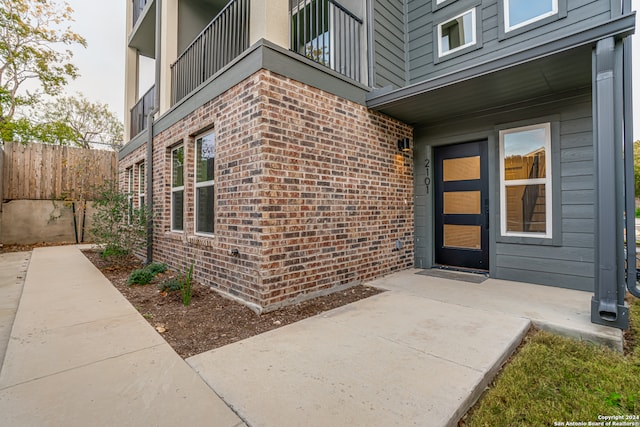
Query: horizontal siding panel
(538, 265)
(389, 43)
(560, 253)
(575, 140)
(578, 225)
(578, 211)
(578, 240)
(577, 168)
(581, 182)
(568, 281)
(578, 154)
(578, 197)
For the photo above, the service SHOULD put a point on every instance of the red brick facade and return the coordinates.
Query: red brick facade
(310, 189)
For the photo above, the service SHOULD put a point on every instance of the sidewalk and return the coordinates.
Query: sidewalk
(81, 355)
(419, 354)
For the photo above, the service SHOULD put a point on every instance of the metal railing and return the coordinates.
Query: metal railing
(327, 33)
(224, 39)
(138, 7)
(140, 111)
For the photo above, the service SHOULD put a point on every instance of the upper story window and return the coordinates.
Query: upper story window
(457, 33)
(519, 13)
(130, 195)
(525, 181)
(205, 181)
(177, 189)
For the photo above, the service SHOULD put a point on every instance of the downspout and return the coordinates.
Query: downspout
(632, 284)
(150, 121)
(604, 305)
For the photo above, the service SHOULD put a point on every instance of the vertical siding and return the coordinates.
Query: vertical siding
(389, 43)
(581, 14)
(569, 264)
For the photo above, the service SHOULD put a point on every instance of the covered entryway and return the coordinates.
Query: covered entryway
(462, 206)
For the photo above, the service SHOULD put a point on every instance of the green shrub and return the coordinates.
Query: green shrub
(637, 212)
(141, 276)
(170, 285)
(117, 226)
(156, 268)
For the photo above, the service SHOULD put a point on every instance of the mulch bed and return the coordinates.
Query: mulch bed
(210, 321)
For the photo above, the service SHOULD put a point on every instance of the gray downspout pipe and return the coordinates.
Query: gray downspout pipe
(607, 274)
(150, 122)
(632, 284)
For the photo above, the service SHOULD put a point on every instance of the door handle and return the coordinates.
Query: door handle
(486, 213)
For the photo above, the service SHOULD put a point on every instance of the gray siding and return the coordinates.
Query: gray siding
(389, 41)
(570, 262)
(581, 14)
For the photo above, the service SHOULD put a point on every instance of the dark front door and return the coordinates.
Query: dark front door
(462, 206)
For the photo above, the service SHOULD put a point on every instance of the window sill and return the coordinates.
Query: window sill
(202, 240)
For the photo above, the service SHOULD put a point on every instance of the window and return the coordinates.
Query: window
(177, 189)
(457, 33)
(525, 181)
(141, 185)
(519, 13)
(204, 214)
(130, 195)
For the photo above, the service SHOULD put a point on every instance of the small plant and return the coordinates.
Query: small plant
(156, 268)
(637, 212)
(186, 288)
(170, 285)
(141, 276)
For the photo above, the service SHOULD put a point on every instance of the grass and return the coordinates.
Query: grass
(553, 379)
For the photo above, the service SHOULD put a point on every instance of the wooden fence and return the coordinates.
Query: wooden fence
(46, 172)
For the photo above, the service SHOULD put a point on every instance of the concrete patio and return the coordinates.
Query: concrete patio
(419, 354)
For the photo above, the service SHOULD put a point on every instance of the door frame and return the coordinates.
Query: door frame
(424, 188)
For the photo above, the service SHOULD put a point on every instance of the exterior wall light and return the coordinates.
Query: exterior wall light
(404, 145)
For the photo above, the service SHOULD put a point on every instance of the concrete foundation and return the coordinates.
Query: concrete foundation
(27, 222)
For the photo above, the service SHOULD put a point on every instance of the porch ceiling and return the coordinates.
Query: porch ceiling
(565, 72)
(143, 34)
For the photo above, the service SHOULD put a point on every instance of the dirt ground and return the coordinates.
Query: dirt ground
(210, 321)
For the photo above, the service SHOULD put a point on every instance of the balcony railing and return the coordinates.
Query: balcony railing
(138, 7)
(224, 39)
(327, 33)
(141, 110)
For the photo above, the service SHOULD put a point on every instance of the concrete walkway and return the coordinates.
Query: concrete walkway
(81, 355)
(419, 354)
(13, 269)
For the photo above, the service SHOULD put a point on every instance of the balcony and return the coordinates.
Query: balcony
(140, 111)
(329, 34)
(225, 38)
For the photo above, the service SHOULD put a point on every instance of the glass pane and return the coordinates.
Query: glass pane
(461, 169)
(526, 209)
(205, 147)
(141, 180)
(462, 202)
(457, 32)
(524, 154)
(177, 167)
(525, 10)
(177, 210)
(204, 216)
(462, 236)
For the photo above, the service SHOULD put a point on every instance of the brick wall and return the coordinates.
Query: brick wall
(310, 189)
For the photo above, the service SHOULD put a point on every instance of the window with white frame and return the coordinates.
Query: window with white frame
(525, 181)
(141, 185)
(519, 13)
(130, 195)
(204, 185)
(177, 189)
(457, 33)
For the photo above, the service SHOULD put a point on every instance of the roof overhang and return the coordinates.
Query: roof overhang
(558, 67)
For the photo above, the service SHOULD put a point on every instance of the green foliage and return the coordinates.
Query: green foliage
(31, 35)
(186, 288)
(637, 210)
(553, 378)
(156, 268)
(141, 276)
(115, 227)
(170, 285)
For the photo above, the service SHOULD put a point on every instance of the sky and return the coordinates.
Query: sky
(101, 64)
